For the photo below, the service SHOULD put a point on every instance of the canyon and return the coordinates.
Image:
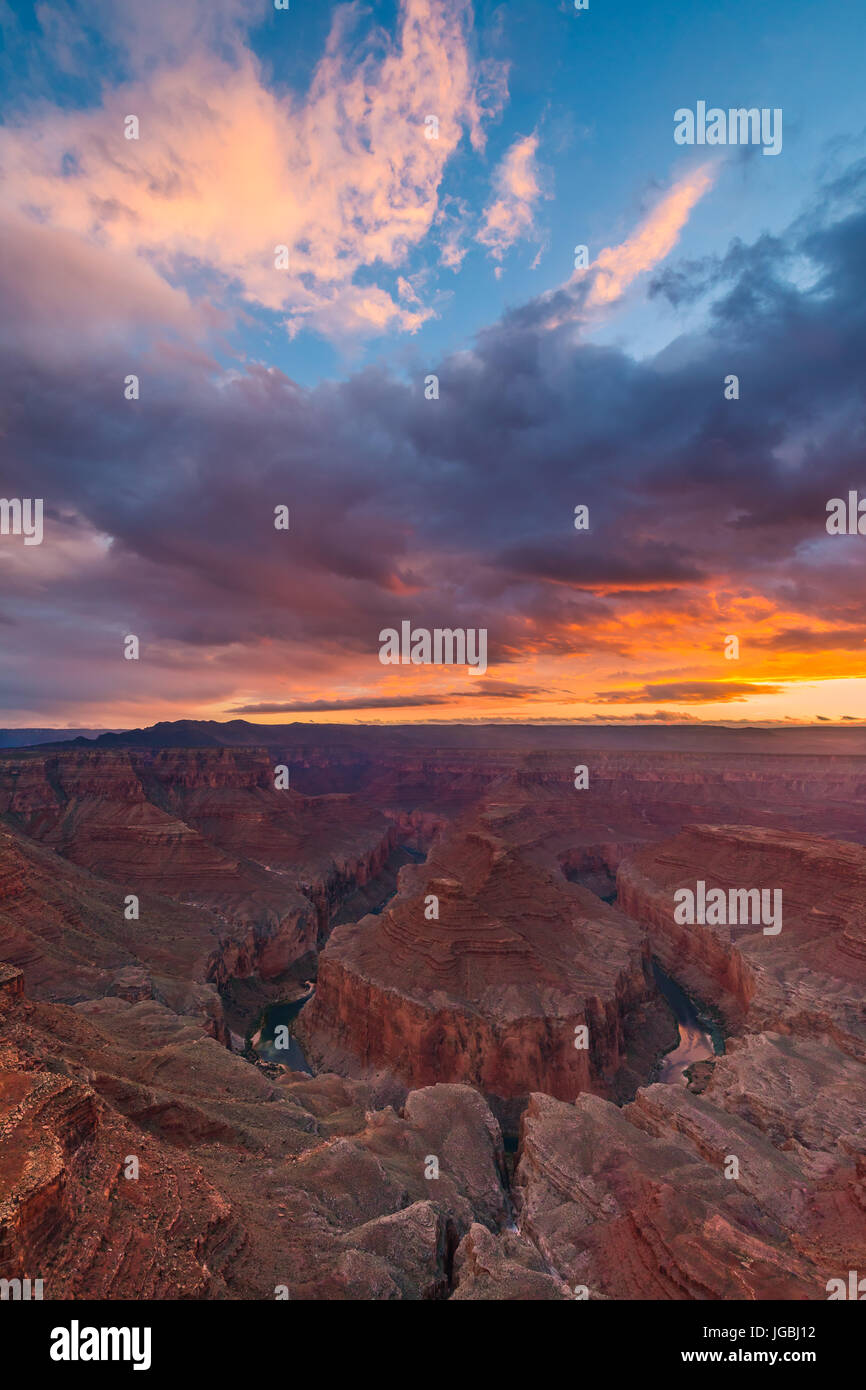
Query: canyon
(494, 989)
(481, 1119)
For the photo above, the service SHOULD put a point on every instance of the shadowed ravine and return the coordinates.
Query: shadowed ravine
(700, 1038)
(263, 1041)
(374, 898)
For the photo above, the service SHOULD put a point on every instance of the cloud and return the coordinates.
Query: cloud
(65, 296)
(803, 639)
(586, 564)
(705, 519)
(359, 702)
(510, 217)
(688, 693)
(617, 266)
(226, 169)
(479, 690)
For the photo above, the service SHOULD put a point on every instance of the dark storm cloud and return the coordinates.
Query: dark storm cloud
(758, 265)
(591, 566)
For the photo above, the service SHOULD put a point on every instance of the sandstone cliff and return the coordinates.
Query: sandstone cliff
(811, 976)
(492, 990)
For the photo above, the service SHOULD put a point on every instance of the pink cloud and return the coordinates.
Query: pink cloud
(617, 266)
(64, 296)
(511, 215)
(226, 170)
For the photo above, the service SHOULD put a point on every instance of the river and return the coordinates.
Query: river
(700, 1037)
(372, 898)
(277, 1016)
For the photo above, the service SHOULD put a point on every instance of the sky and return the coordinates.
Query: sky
(335, 245)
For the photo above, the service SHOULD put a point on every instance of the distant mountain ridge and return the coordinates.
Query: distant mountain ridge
(676, 738)
(31, 738)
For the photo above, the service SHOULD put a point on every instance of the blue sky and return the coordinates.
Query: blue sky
(598, 86)
(601, 86)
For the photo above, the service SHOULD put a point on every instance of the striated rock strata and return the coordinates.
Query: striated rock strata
(808, 978)
(645, 1202)
(140, 1159)
(262, 870)
(491, 992)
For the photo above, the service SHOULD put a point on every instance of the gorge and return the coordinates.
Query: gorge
(500, 1102)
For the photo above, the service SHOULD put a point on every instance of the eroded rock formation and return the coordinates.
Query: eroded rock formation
(745, 1191)
(140, 1159)
(386, 1178)
(492, 990)
(261, 869)
(810, 976)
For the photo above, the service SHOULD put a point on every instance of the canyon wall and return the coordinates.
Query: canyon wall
(215, 854)
(810, 976)
(492, 989)
(386, 1177)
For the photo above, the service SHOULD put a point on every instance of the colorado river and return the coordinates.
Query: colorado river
(700, 1037)
(263, 1041)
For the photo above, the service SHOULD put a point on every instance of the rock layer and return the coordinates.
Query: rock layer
(262, 869)
(491, 991)
(645, 1202)
(242, 1187)
(808, 978)
(253, 1179)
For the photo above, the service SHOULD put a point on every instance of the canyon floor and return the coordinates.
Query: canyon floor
(459, 953)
